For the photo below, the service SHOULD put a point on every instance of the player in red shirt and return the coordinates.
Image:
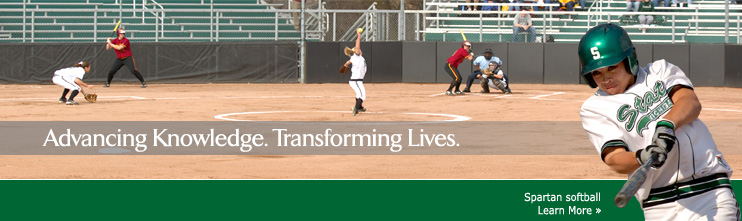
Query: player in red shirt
(452, 66)
(123, 57)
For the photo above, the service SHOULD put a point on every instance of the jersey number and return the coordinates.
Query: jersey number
(596, 53)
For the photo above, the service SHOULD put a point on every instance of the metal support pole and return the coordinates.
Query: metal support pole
(480, 26)
(726, 22)
(95, 24)
(401, 21)
(211, 21)
(673, 28)
(217, 27)
(24, 20)
(33, 20)
(334, 26)
(275, 18)
(157, 26)
(302, 46)
(417, 26)
(121, 10)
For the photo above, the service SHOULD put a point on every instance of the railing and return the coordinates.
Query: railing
(33, 24)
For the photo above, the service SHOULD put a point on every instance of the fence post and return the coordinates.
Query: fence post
(401, 21)
(24, 21)
(33, 20)
(211, 21)
(95, 24)
(417, 26)
(673, 28)
(726, 22)
(302, 46)
(334, 26)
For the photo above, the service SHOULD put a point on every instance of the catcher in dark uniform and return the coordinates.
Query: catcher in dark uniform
(495, 78)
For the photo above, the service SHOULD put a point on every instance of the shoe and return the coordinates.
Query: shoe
(355, 111)
(71, 102)
(484, 91)
(467, 90)
(363, 109)
(144, 85)
(106, 84)
(62, 100)
(449, 93)
(508, 91)
(459, 93)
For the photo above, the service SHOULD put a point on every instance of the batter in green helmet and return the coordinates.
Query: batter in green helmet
(647, 112)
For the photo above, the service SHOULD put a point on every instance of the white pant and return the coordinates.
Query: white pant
(358, 88)
(717, 204)
(65, 82)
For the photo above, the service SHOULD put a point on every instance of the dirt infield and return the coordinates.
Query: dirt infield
(329, 102)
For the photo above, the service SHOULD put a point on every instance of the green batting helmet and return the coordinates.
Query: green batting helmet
(605, 45)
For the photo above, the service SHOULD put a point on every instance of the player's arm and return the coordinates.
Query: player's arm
(347, 63)
(79, 82)
(620, 160)
(108, 44)
(686, 106)
(358, 45)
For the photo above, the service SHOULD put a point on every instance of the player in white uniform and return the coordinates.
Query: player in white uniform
(358, 71)
(640, 111)
(71, 79)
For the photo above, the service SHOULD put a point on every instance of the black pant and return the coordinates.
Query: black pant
(471, 78)
(455, 74)
(129, 62)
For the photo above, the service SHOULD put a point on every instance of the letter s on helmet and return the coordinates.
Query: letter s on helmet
(605, 45)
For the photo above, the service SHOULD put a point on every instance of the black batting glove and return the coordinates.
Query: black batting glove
(664, 135)
(643, 155)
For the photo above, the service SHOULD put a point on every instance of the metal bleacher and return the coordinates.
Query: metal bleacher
(701, 22)
(144, 20)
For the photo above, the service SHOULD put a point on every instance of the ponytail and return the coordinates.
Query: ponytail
(83, 64)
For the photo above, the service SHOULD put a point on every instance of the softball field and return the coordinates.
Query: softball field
(722, 112)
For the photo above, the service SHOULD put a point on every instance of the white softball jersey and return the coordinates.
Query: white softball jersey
(66, 77)
(629, 120)
(358, 69)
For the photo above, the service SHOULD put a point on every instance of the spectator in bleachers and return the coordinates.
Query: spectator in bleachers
(675, 3)
(645, 20)
(541, 7)
(583, 4)
(490, 7)
(633, 5)
(567, 5)
(516, 8)
(523, 23)
(472, 7)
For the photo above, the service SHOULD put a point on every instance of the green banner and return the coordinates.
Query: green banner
(315, 199)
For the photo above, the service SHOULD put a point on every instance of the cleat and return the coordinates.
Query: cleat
(459, 93)
(467, 90)
(62, 100)
(71, 102)
(144, 85)
(449, 93)
(363, 109)
(106, 84)
(507, 91)
(355, 111)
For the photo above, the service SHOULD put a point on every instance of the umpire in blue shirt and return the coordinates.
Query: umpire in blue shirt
(481, 63)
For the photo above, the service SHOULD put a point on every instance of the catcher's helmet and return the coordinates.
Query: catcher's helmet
(465, 43)
(605, 45)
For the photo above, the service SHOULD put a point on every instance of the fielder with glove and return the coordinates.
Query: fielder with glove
(71, 79)
(357, 66)
(640, 113)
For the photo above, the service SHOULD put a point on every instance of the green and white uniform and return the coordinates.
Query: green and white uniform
(694, 180)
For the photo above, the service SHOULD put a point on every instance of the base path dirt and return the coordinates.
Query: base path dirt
(329, 102)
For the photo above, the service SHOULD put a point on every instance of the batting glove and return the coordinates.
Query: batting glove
(643, 155)
(664, 135)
